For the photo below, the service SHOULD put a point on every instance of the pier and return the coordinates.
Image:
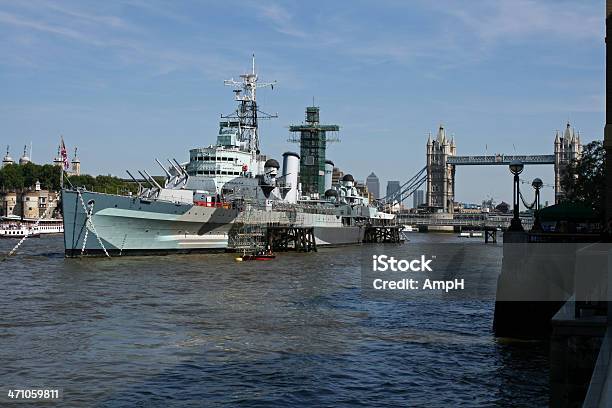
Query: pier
(286, 238)
(388, 234)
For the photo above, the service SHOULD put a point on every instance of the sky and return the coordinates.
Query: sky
(129, 81)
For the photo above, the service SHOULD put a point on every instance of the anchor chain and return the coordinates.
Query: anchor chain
(89, 221)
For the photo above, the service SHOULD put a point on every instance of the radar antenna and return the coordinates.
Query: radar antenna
(247, 113)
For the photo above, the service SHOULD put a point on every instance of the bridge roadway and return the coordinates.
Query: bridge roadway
(462, 220)
(501, 159)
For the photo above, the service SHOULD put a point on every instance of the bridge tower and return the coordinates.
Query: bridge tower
(567, 148)
(440, 174)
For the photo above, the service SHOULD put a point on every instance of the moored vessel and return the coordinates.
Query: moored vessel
(226, 188)
(18, 227)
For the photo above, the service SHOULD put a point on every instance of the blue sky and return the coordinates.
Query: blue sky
(133, 80)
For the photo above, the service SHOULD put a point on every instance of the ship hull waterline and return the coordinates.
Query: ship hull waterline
(129, 225)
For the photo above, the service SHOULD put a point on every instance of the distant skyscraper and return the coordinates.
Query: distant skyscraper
(419, 198)
(373, 185)
(393, 187)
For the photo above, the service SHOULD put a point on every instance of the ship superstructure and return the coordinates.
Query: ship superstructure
(205, 203)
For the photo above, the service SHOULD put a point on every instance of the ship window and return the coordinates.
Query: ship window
(224, 172)
(200, 172)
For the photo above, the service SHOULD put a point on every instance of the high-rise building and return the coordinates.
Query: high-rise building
(418, 198)
(373, 185)
(336, 176)
(393, 187)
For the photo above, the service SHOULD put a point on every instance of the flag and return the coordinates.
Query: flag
(64, 155)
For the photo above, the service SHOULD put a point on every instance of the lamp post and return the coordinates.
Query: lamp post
(537, 185)
(516, 168)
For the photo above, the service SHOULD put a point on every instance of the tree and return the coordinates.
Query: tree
(11, 177)
(584, 178)
(19, 177)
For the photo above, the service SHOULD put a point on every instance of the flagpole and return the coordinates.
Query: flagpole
(62, 151)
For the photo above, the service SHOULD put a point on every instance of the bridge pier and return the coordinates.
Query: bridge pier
(490, 234)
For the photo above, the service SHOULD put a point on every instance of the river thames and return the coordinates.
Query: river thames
(204, 330)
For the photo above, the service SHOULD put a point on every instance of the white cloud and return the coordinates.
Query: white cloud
(23, 22)
(280, 18)
(492, 21)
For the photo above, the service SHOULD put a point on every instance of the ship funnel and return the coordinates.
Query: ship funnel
(291, 169)
(329, 170)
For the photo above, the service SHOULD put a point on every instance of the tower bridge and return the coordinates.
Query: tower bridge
(442, 160)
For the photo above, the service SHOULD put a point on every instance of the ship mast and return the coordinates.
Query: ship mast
(247, 113)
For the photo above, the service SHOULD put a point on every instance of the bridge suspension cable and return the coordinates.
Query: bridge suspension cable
(405, 190)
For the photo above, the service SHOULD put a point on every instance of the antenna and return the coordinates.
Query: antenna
(247, 114)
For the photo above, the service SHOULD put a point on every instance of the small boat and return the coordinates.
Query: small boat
(258, 256)
(464, 235)
(262, 257)
(476, 235)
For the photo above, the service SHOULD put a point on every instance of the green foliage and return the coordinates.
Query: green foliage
(17, 177)
(584, 180)
(103, 184)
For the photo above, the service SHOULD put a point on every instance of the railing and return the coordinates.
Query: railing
(469, 220)
(501, 159)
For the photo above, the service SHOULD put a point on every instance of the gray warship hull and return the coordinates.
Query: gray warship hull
(130, 225)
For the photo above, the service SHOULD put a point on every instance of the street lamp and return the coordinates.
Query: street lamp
(537, 185)
(516, 168)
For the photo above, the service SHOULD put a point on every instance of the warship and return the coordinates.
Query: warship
(224, 197)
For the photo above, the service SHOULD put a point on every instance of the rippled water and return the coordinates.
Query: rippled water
(203, 330)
